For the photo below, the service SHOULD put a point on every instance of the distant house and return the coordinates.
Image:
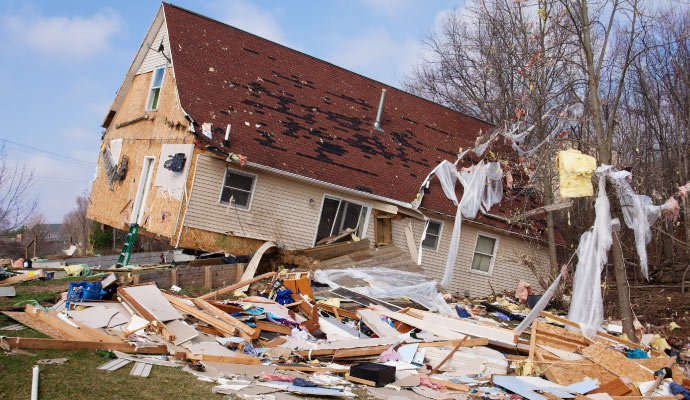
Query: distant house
(278, 145)
(53, 233)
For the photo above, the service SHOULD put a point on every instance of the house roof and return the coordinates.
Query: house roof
(302, 115)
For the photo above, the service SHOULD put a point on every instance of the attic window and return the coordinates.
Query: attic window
(238, 188)
(155, 92)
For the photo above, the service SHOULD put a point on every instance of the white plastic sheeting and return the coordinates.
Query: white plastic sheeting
(389, 283)
(482, 188)
(639, 214)
(586, 307)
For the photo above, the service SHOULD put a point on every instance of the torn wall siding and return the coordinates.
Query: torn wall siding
(281, 211)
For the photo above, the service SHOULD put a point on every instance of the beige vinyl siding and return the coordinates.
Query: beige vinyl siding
(280, 208)
(281, 211)
(154, 58)
(508, 268)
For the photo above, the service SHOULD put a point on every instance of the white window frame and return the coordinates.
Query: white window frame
(493, 256)
(336, 197)
(144, 179)
(440, 234)
(148, 98)
(254, 177)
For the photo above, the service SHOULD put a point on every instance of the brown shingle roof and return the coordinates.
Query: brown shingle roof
(299, 114)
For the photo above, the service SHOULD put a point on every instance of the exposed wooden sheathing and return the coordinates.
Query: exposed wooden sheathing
(211, 241)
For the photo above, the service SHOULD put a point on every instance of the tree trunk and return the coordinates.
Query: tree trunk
(623, 289)
(551, 236)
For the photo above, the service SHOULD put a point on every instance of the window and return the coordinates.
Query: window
(338, 215)
(155, 92)
(433, 235)
(238, 188)
(484, 254)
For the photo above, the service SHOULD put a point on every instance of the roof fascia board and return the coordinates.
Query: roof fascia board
(158, 21)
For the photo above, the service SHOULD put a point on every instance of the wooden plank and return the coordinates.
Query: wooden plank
(221, 314)
(173, 276)
(345, 351)
(439, 331)
(203, 262)
(551, 207)
(61, 344)
(447, 357)
(338, 311)
(617, 363)
(29, 276)
(329, 251)
(359, 380)
(238, 285)
(615, 387)
(468, 328)
(273, 327)
(236, 359)
(254, 263)
(143, 312)
(450, 385)
(58, 324)
(37, 324)
(225, 328)
(372, 319)
(208, 279)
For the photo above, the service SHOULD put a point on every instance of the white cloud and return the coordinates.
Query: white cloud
(62, 37)
(249, 17)
(377, 55)
(387, 7)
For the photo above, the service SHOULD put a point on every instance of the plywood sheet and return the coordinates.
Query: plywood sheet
(656, 364)
(101, 316)
(35, 323)
(569, 372)
(617, 363)
(149, 297)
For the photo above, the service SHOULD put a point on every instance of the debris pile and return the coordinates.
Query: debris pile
(387, 335)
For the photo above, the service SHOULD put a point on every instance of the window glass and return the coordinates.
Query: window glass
(433, 234)
(155, 91)
(338, 215)
(483, 253)
(158, 78)
(238, 187)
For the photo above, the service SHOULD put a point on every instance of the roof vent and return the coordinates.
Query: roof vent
(377, 124)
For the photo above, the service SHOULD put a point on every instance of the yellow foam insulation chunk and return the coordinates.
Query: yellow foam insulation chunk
(575, 172)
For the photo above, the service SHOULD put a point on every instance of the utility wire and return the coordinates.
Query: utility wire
(59, 156)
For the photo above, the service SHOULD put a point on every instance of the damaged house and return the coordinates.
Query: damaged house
(222, 140)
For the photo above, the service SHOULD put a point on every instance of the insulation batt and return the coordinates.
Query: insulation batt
(575, 172)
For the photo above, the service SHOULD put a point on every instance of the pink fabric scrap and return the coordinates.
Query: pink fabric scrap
(673, 211)
(268, 377)
(523, 290)
(389, 355)
(425, 381)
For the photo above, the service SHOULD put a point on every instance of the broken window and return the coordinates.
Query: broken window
(338, 215)
(238, 188)
(484, 253)
(433, 235)
(155, 92)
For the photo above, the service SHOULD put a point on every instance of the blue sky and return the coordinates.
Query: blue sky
(61, 63)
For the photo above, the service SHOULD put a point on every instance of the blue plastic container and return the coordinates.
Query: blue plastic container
(84, 291)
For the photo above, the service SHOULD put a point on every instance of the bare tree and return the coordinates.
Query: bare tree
(504, 61)
(76, 226)
(16, 201)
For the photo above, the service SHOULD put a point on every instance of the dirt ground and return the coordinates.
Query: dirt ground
(656, 306)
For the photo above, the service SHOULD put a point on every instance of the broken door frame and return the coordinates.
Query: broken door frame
(365, 224)
(142, 190)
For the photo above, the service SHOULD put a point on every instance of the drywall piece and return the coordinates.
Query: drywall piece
(173, 182)
(101, 316)
(254, 264)
(227, 369)
(468, 360)
(526, 386)
(146, 359)
(141, 370)
(407, 351)
(210, 348)
(182, 331)
(500, 335)
(310, 391)
(149, 297)
(600, 396)
(617, 363)
(336, 330)
(136, 324)
(7, 291)
(372, 319)
(114, 365)
(437, 330)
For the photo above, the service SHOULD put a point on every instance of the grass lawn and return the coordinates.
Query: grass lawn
(79, 377)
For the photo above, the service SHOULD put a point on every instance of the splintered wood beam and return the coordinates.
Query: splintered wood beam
(236, 359)
(237, 285)
(60, 325)
(539, 210)
(23, 277)
(144, 313)
(272, 327)
(247, 332)
(60, 344)
(226, 329)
